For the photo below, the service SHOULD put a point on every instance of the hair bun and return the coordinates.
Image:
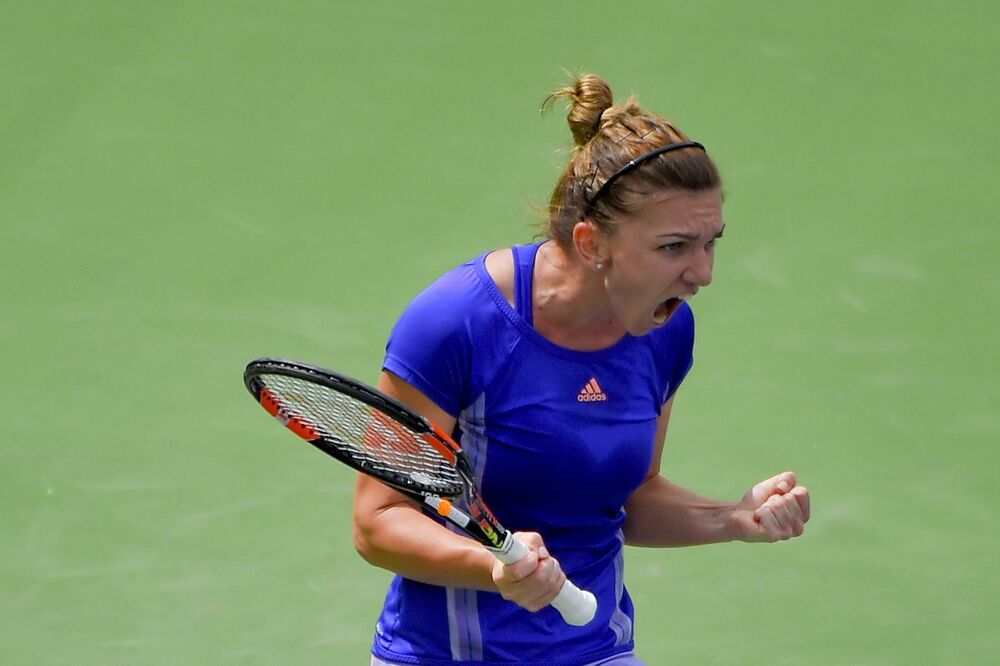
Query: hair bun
(590, 96)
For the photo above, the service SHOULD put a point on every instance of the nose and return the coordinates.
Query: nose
(699, 271)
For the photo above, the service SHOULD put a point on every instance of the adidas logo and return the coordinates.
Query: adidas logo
(592, 392)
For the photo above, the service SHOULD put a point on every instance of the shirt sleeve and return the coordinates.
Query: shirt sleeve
(430, 346)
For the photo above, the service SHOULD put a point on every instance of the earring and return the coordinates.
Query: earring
(599, 265)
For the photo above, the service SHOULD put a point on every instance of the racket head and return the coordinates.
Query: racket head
(358, 425)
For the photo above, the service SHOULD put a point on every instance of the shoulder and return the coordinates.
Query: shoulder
(474, 288)
(443, 341)
(500, 267)
(441, 309)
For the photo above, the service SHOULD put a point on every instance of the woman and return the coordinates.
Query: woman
(557, 364)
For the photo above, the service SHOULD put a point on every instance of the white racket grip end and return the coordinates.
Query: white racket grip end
(576, 606)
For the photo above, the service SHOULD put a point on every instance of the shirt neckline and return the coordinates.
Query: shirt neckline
(528, 331)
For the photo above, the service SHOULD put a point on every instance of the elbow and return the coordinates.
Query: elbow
(375, 537)
(381, 529)
(629, 535)
(365, 541)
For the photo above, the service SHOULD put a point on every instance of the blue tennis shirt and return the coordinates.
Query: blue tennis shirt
(558, 440)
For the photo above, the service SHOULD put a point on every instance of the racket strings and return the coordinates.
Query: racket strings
(370, 437)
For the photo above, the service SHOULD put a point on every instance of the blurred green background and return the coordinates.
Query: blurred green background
(187, 185)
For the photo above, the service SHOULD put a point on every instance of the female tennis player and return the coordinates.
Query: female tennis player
(556, 363)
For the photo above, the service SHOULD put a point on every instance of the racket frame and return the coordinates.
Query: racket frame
(577, 607)
(478, 522)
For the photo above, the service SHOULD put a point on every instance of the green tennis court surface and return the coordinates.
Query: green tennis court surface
(185, 186)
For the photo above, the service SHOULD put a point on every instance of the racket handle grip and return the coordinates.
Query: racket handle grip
(576, 606)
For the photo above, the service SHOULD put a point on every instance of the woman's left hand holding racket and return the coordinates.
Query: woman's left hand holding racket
(533, 581)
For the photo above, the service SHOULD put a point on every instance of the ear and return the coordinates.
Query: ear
(590, 243)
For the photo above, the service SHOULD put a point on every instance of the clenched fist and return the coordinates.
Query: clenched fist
(773, 510)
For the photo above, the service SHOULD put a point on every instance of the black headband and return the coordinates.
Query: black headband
(634, 164)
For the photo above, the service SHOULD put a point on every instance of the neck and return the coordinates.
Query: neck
(571, 306)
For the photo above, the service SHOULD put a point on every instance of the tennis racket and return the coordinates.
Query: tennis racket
(386, 440)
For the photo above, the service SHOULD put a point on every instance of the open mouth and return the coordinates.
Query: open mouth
(665, 309)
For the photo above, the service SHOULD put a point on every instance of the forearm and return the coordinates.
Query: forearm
(403, 540)
(662, 514)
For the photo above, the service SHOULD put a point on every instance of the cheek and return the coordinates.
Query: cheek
(657, 274)
(632, 292)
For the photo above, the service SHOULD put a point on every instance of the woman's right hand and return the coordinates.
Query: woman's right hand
(534, 581)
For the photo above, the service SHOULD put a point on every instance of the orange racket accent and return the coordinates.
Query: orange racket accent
(270, 403)
(444, 508)
(387, 436)
(443, 442)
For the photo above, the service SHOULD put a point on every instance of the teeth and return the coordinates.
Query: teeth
(662, 312)
(666, 308)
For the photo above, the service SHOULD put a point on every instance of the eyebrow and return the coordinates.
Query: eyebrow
(689, 236)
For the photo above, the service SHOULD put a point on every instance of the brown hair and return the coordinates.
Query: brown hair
(607, 137)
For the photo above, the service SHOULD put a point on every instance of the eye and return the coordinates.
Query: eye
(673, 248)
